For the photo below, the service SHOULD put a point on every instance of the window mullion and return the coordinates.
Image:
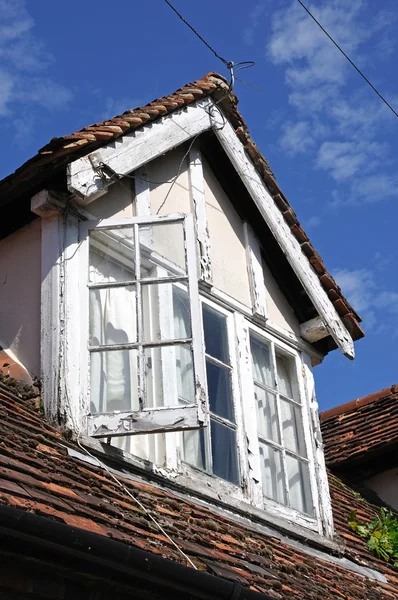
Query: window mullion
(140, 354)
(280, 428)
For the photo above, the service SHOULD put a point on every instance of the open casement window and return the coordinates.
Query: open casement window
(284, 463)
(214, 449)
(145, 359)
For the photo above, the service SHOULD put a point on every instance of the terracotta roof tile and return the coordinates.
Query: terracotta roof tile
(57, 486)
(60, 151)
(351, 431)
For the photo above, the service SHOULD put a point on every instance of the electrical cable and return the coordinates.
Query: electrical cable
(226, 63)
(231, 66)
(143, 508)
(348, 58)
(120, 484)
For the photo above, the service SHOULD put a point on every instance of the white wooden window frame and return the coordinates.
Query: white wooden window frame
(250, 489)
(136, 149)
(64, 356)
(295, 356)
(147, 420)
(236, 404)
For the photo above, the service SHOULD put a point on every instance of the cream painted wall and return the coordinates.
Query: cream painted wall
(20, 254)
(385, 485)
(164, 198)
(228, 254)
(117, 202)
(20, 276)
(279, 310)
(227, 247)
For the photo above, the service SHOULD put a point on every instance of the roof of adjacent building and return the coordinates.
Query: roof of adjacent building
(361, 427)
(41, 475)
(53, 158)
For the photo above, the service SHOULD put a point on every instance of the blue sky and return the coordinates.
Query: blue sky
(330, 141)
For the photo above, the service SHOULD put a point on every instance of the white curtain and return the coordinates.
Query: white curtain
(114, 373)
(192, 441)
(297, 471)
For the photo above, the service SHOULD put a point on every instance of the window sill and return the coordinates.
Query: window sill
(215, 494)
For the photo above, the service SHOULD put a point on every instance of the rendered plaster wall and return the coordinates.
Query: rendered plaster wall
(20, 276)
(228, 256)
(385, 485)
(117, 202)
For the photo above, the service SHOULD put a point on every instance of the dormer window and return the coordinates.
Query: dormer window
(182, 307)
(145, 359)
(283, 455)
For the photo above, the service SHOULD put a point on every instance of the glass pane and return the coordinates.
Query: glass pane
(293, 435)
(287, 380)
(224, 452)
(169, 375)
(272, 473)
(113, 381)
(216, 335)
(261, 363)
(193, 448)
(113, 318)
(162, 250)
(111, 255)
(267, 418)
(219, 390)
(299, 485)
(165, 312)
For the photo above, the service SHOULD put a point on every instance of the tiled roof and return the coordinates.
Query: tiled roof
(360, 427)
(54, 157)
(39, 475)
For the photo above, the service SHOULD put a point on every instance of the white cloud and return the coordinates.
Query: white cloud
(339, 126)
(366, 189)
(296, 138)
(254, 16)
(313, 221)
(345, 159)
(24, 60)
(375, 305)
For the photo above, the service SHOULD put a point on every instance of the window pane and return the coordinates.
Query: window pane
(169, 375)
(219, 390)
(261, 363)
(287, 380)
(113, 316)
(224, 452)
(113, 381)
(299, 485)
(272, 473)
(267, 418)
(293, 435)
(165, 312)
(193, 448)
(111, 255)
(162, 250)
(216, 335)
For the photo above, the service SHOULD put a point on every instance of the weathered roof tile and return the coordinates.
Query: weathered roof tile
(84, 496)
(357, 428)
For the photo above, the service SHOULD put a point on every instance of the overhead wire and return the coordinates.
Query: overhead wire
(137, 501)
(122, 486)
(231, 65)
(348, 58)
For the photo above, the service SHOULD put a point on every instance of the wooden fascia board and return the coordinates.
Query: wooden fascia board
(313, 330)
(136, 149)
(280, 230)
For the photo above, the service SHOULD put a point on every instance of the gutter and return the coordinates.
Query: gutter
(40, 532)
